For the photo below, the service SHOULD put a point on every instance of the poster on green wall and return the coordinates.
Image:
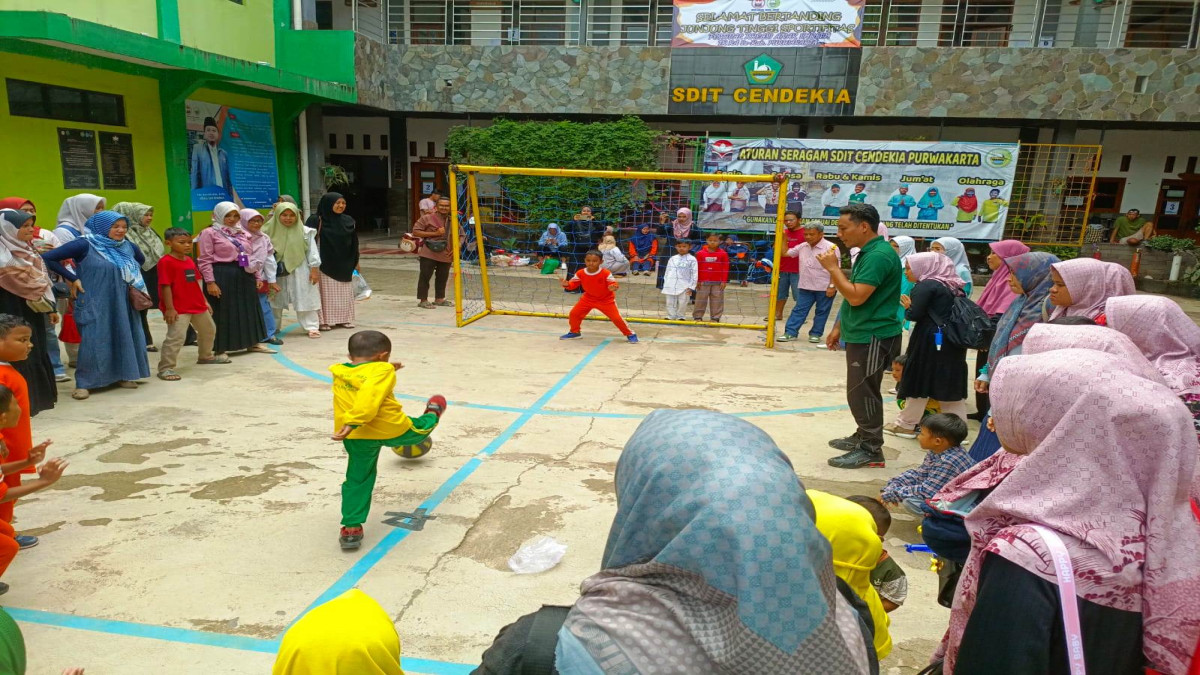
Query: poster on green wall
(232, 157)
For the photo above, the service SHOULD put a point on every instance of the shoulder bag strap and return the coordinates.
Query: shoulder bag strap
(538, 656)
(1066, 595)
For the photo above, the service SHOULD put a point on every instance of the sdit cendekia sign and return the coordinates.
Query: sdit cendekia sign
(763, 80)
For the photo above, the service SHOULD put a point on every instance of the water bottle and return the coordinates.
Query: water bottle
(1096, 251)
(937, 339)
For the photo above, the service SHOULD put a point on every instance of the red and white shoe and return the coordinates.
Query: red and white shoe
(436, 405)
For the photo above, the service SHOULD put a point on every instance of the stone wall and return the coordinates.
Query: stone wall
(910, 82)
(1029, 83)
(521, 79)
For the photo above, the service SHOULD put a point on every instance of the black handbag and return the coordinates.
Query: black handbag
(435, 245)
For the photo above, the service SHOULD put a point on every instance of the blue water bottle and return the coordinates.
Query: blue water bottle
(937, 339)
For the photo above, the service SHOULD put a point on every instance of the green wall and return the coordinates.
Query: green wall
(135, 16)
(32, 168)
(244, 32)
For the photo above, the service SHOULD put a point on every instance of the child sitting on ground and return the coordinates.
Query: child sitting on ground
(11, 414)
(713, 275)
(181, 298)
(679, 280)
(367, 417)
(887, 577)
(932, 407)
(942, 435)
(598, 286)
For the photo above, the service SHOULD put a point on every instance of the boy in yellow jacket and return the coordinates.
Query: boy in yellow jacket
(367, 417)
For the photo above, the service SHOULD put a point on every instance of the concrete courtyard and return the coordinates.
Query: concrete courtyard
(199, 519)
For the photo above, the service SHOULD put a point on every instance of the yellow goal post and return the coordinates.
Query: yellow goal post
(496, 217)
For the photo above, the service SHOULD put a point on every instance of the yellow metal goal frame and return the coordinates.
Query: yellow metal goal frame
(473, 195)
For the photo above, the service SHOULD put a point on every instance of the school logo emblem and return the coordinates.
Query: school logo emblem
(762, 70)
(998, 158)
(722, 148)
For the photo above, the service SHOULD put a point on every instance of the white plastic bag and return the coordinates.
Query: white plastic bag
(362, 291)
(537, 555)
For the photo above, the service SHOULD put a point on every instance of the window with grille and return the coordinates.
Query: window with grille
(1159, 23)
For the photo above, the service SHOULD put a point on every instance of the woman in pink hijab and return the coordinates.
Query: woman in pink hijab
(1081, 287)
(931, 371)
(1165, 335)
(1124, 517)
(994, 301)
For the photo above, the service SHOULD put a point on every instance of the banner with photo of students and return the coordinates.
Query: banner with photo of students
(231, 157)
(921, 189)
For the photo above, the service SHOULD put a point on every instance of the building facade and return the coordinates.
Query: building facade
(173, 103)
(1122, 74)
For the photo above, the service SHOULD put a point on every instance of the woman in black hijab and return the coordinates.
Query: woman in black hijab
(338, 242)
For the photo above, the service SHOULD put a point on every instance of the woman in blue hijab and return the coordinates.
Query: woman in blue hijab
(713, 563)
(929, 205)
(107, 266)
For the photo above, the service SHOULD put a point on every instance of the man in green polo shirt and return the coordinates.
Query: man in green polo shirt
(870, 327)
(1131, 229)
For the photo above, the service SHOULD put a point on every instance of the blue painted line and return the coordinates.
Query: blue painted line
(142, 630)
(364, 565)
(536, 409)
(200, 637)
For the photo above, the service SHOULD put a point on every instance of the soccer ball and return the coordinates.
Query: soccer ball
(414, 451)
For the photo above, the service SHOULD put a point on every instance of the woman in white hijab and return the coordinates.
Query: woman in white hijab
(74, 213)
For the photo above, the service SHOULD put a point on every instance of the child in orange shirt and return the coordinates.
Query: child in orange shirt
(598, 286)
(10, 417)
(15, 345)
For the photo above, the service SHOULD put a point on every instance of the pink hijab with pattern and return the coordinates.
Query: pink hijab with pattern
(1046, 337)
(1076, 415)
(997, 296)
(936, 267)
(1091, 282)
(1165, 335)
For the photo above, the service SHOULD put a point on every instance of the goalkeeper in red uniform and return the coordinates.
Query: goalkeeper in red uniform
(598, 286)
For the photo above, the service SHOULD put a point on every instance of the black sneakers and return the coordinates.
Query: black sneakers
(858, 458)
(844, 444)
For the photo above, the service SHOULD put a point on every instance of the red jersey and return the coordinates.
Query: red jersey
(182, 277)
(794, 238)
(19, 439)
(595, 286)
(714, 266)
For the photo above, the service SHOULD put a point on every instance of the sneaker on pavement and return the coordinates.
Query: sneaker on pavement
(26, 540)
(786, 338)
(857, 459)
(351, 538)
(844, 444)
(570, 336)
(898, 431)
(632, 338)
(814, 339)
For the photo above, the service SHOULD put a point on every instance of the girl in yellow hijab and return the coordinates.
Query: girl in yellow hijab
(349, 635)
(850, 530)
